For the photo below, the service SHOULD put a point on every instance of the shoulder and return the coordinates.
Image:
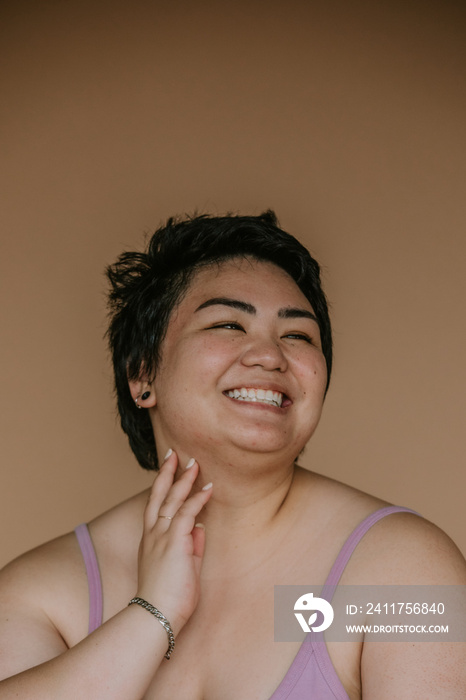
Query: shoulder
(41, 567)
(400, 548)
(43, 605)
(49, 583)
(44, 583)
(420, 561)
(406, 549)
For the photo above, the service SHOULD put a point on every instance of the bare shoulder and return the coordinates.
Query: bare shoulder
(43, 604)
(406, 549)
(44, 594)
(335, 495)
(401, 548)
(335, 505)
(47, 579)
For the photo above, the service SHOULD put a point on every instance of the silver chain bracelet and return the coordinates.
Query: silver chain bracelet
(161, 618)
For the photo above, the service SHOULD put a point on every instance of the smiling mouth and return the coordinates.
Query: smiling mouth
(263, 396)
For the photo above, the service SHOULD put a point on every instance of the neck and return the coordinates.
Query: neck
(237, 503)
(250, 497)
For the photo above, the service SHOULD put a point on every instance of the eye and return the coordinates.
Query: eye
(229, 326)
(299, 336)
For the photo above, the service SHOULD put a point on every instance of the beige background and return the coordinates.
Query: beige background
(348, 118)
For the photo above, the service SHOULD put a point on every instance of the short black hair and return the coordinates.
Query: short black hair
(145, 288)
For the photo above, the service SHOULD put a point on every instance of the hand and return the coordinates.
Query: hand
(171, 549)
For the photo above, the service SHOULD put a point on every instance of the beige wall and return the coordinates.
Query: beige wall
(348, 118)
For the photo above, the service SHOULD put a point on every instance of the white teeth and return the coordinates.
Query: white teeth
(273, 398)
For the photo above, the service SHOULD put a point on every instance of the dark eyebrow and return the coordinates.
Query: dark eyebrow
(287, 312)
(290, 312)
(232, 303)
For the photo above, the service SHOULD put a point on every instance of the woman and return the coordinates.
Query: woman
(222, 353)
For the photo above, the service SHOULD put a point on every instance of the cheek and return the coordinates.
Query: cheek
(197, 363)
(312, 373)
(215, 354)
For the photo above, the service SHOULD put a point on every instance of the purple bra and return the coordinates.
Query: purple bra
(311, 675)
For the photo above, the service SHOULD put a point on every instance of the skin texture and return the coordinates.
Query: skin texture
(266, 521)
(211, 350)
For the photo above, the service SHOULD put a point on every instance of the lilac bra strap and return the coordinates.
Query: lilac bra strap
(351, 544)
(93, 576)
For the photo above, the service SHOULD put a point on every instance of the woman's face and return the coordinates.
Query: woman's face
(241, 365)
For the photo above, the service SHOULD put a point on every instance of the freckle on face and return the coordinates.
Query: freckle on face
(196, 364)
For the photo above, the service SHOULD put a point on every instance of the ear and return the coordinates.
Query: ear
(140, 388)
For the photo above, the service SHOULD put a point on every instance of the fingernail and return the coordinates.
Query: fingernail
(170, 451)
(207, 486)
(201, 525)
(190, 463)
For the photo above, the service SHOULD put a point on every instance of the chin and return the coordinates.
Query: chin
(264, 446)
(263, 439)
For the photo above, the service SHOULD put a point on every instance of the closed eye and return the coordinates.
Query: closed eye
(229, 326)
(299, 336)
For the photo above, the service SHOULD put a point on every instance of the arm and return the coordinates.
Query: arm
(119, 660)
(421, 554)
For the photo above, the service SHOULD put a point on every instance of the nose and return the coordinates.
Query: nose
(266, 353)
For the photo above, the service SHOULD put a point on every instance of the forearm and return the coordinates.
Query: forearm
(117, 662)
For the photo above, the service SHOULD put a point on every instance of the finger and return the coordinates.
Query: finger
(166, 500)
(160, 487)
(183, 523)
(180, 490)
